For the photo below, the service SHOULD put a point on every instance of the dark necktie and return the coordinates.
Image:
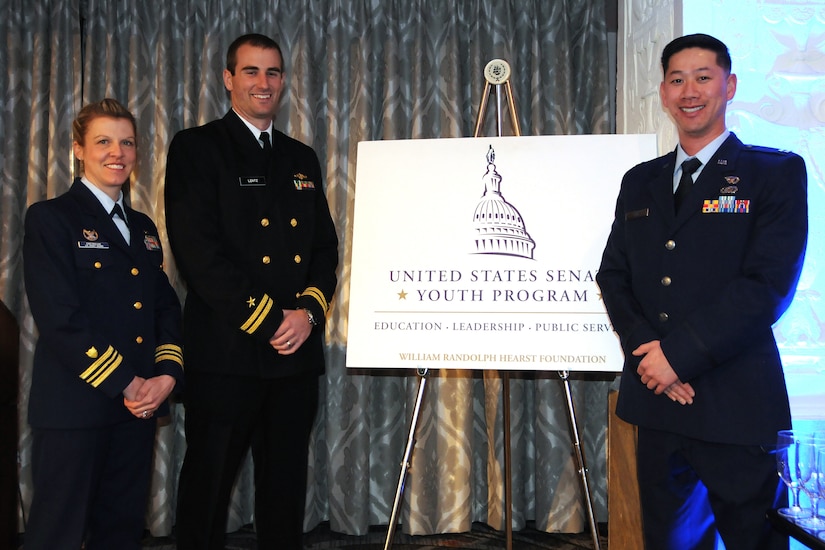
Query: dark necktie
(117, 210)
(267, 143)
(686, 181)
(124, 229)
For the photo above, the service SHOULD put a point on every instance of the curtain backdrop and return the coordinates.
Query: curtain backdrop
(356, 70)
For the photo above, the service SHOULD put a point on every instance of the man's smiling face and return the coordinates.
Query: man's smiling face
(695, 92)
(255, 88)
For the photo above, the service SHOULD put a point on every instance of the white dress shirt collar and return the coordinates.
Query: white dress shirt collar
(255, 131)
(104, 199)
(703, 155)
(107, 203)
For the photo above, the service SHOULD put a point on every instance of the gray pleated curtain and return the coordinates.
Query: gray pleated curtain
(357, 70)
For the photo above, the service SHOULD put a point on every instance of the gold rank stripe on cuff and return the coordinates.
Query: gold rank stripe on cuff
(258, 316)
(169, 352)
(316, 293)
(100, 370)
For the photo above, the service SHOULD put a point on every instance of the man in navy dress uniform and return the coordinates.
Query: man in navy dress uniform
(252, 235)
(693, 292)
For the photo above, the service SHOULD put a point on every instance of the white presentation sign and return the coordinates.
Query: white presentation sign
(482, 253)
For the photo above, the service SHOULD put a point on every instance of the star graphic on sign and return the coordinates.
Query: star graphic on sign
(251, 302)
(402, 295)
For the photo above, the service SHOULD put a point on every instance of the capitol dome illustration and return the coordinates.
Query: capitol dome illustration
(497, 224)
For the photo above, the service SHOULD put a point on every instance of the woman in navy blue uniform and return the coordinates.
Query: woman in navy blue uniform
(108, 353)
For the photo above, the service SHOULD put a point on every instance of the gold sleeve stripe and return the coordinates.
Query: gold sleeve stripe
(316, 293)
(169, 352)
(104, 375)
(100, 370)
(99, 363)
(258, 316)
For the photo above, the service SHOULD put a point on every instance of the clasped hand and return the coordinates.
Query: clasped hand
(292, 333)
(656, 373)
(143, 396)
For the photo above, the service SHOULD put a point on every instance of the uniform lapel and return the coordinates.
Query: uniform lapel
(248, 152)
(252, 163)
(661, 186)
(98, 219)
(137, 234)
(278, 172)
(113, 233)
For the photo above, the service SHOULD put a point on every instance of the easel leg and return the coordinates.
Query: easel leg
(405, 462)
(574, 433)
(505, 379)
(508, 469)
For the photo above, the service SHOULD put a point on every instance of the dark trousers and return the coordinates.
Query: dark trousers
(225, 415)
(9, 494)
(691, 490)
(90, 485)
(9, 490)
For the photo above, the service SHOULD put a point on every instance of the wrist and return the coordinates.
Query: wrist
(313, 321)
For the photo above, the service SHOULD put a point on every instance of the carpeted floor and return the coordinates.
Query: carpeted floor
(481, 537)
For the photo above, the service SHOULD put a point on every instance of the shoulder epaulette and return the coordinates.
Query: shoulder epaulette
(770, 150)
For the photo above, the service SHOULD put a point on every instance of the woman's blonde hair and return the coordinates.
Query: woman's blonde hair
(108, 107)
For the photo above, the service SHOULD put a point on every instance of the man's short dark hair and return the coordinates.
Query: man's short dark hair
(704, 41)
(256, 40)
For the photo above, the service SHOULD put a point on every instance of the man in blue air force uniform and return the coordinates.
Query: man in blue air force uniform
(692, 292)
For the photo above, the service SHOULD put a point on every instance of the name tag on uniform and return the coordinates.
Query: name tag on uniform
(252, 181)
(95, 246)
(636, 214)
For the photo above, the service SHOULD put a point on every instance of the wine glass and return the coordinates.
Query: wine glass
(809, 479)
(788, 468)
